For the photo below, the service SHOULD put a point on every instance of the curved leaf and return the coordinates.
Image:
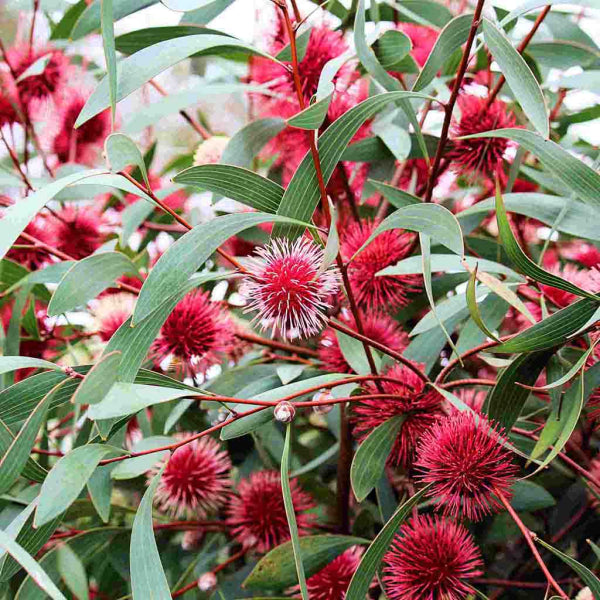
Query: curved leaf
(13, 363)
(98, 380)
(121, 152)
(91, 18)
(250, 140)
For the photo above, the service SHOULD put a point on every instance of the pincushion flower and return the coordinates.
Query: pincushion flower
(76, 230)
(285, 288)
(30, 257)
(110, 312)
(431, 558)
(465, 461)
(196, 481)
(371, 291)
(377, 326)
(420, 406)
(256, 515)
(481, 155)
(196, 335)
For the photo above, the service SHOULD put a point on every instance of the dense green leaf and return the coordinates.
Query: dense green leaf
(529, 496)
(121, 152)
(563, 55)
(301, 45)
(354, 353)
(98, 380)
(474, 309)
(32, 470)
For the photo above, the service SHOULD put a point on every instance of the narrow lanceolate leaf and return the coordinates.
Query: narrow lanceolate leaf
(525, 264)
(506, 400)
(66, 480)
(108, 42)
(370, 458)
(586, 575)
(32, 470)
(250, 140)
(502, 290)
(290, 512)
(519, 77)
(36, 572)
(99, 379)
(147, 576)
(90, 19)
(361, 581)
(473, 308)
(450, 39)
(137, 69)
(121, 152)
(72, 571)
(236, 183)
(13, 363)
(87, 278)
(396, 197)
(354, 353)
(277, 570)
(17, 454)
(301, 46)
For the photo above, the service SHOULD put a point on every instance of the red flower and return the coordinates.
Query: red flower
(256, 516)
(76, 230)
(372, 291)
(8, 101)
(110, 312)
(464, 459)
(196, 481)
(420, 405)
(378, 326)
(415, 169)
(485, 154)
(197, 334)
(572, 274)
(582, 252)
(285, 288)
(431, 558)
(422, 38)
(31, 258)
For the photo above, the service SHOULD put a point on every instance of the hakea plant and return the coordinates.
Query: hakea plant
(319, 323)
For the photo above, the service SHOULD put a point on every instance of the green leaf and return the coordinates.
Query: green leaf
(87, 278)
(369, 461)
(147, 576)
(396, 197)
(450, 39)
(277, 570)
(363, 576)
(38, 575)
(506, 400)
(72, 570)
(474, 309)
(17, 216)
(188, 254)
(353, 351)
(519, 77)
(121, 152)
(562, 55)
(586, 575)
(91, 18)
(13, 363)
(290, 512)
(529, 496)
(285, 55)
(99, 487)
(15, 458)
(108, 42)
(62, 30)
(502, 290)
(236, 183)
(135, 70)
(392, 48)
(36, 68)
(98, 380)
(250, 140)
(66, 480)
(32, 470)
(134, 467)
(132, 217)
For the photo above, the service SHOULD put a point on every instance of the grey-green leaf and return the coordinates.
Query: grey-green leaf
(122, 151)
(98, 380)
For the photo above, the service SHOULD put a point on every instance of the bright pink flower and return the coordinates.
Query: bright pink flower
(285, 288)
(377, 326)
(197, 334)
(8, 101)
(110, 312)
(472, 397)
(196, 481)
(256, 515)
(582, 252)
(484, 154)
(422, 38)
(421, 406)
(372, 292)
(569, 272)
(464, 459)
(416, 170)
(76, 230)
(28, 257)
(431, 558)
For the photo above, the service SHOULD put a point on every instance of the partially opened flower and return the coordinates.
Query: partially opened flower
(420, 407)
(431, 558)
(196, 480)
(466, 463)
(286, 289)
(196, 335)
(110, 312)
(256, 516)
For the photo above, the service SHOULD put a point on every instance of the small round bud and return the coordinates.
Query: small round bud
(207, 582)
(221, 416)
(320, 396)
(285, 412)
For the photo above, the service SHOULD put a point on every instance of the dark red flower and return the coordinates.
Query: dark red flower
(8, 101)
(196, 481)
(464, 459)
(197, 335)
(421, 406)
(31, 258)
(371, 291)
(485, 154)
(377, 325)
(76, 230)
(256, 516)
(431, 558)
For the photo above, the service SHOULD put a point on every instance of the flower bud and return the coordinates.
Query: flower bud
(320, 396)
(207, 582)
(285, 412)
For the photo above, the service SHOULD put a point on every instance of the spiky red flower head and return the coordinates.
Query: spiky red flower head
(580, 277)
(197, 334)
(32, 258)
(582, 252)
(421, 406)
(372, 292)
(256, 516)
(84, 143)
(377, 325)
(431, 558)
(422, 38)
(196, 481)
(415, 173)
(286, 288)
(464, 459)
(482, 155)
(8, 100)
(76, 230)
